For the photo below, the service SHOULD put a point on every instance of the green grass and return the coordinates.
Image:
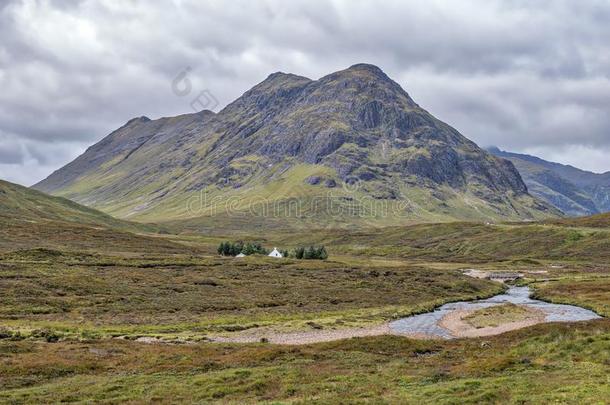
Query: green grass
(468, 242)
(72, 236)
(594, 221)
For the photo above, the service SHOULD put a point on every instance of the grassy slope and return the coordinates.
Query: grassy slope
(31, 219)
(71, 236)
(21, 203)
(594, 221)
(288, 199)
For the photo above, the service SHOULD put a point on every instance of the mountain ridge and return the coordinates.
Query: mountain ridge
(290, 137)
(575, 191)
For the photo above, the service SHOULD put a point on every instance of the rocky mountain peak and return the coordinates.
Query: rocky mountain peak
(367, 68)
(356, 124)
(137, 120)
(279, 81)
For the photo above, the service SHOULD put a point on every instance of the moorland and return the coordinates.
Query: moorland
(95, 313)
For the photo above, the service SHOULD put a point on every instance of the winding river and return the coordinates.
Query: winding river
(428, 324)
(423, 326)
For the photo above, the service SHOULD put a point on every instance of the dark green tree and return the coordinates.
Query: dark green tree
(235, 248)
(310, 253)
(299, 252)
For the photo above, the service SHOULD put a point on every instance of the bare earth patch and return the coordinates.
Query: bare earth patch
(462, 323)
(303, 338)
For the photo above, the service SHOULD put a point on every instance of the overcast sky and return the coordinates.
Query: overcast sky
(527, 76)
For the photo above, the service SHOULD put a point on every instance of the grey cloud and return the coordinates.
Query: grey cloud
(518, 74)
(11, 153)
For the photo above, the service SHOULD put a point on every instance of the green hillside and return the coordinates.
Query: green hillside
(21, 203)
(32, 219)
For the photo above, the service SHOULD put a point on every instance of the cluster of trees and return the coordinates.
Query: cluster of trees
(235, 248)
(301, 252)
(311, 252)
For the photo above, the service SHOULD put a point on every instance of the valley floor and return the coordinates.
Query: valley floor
(113, 322)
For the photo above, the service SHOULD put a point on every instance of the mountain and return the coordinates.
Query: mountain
(349, 148)
(574, 191)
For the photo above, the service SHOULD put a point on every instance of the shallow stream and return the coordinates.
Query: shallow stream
(428, 323)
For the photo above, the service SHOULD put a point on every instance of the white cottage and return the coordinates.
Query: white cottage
(241, 255)
(275, 253)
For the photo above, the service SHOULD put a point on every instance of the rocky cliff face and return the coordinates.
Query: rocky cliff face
(575, 192)
(292, 137)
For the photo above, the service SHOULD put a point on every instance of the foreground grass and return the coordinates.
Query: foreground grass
(546, 363)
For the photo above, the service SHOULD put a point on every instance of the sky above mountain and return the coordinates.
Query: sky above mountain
(529, 77)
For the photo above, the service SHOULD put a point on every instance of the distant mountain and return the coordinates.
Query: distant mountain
(348, 148)
(574, 191)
